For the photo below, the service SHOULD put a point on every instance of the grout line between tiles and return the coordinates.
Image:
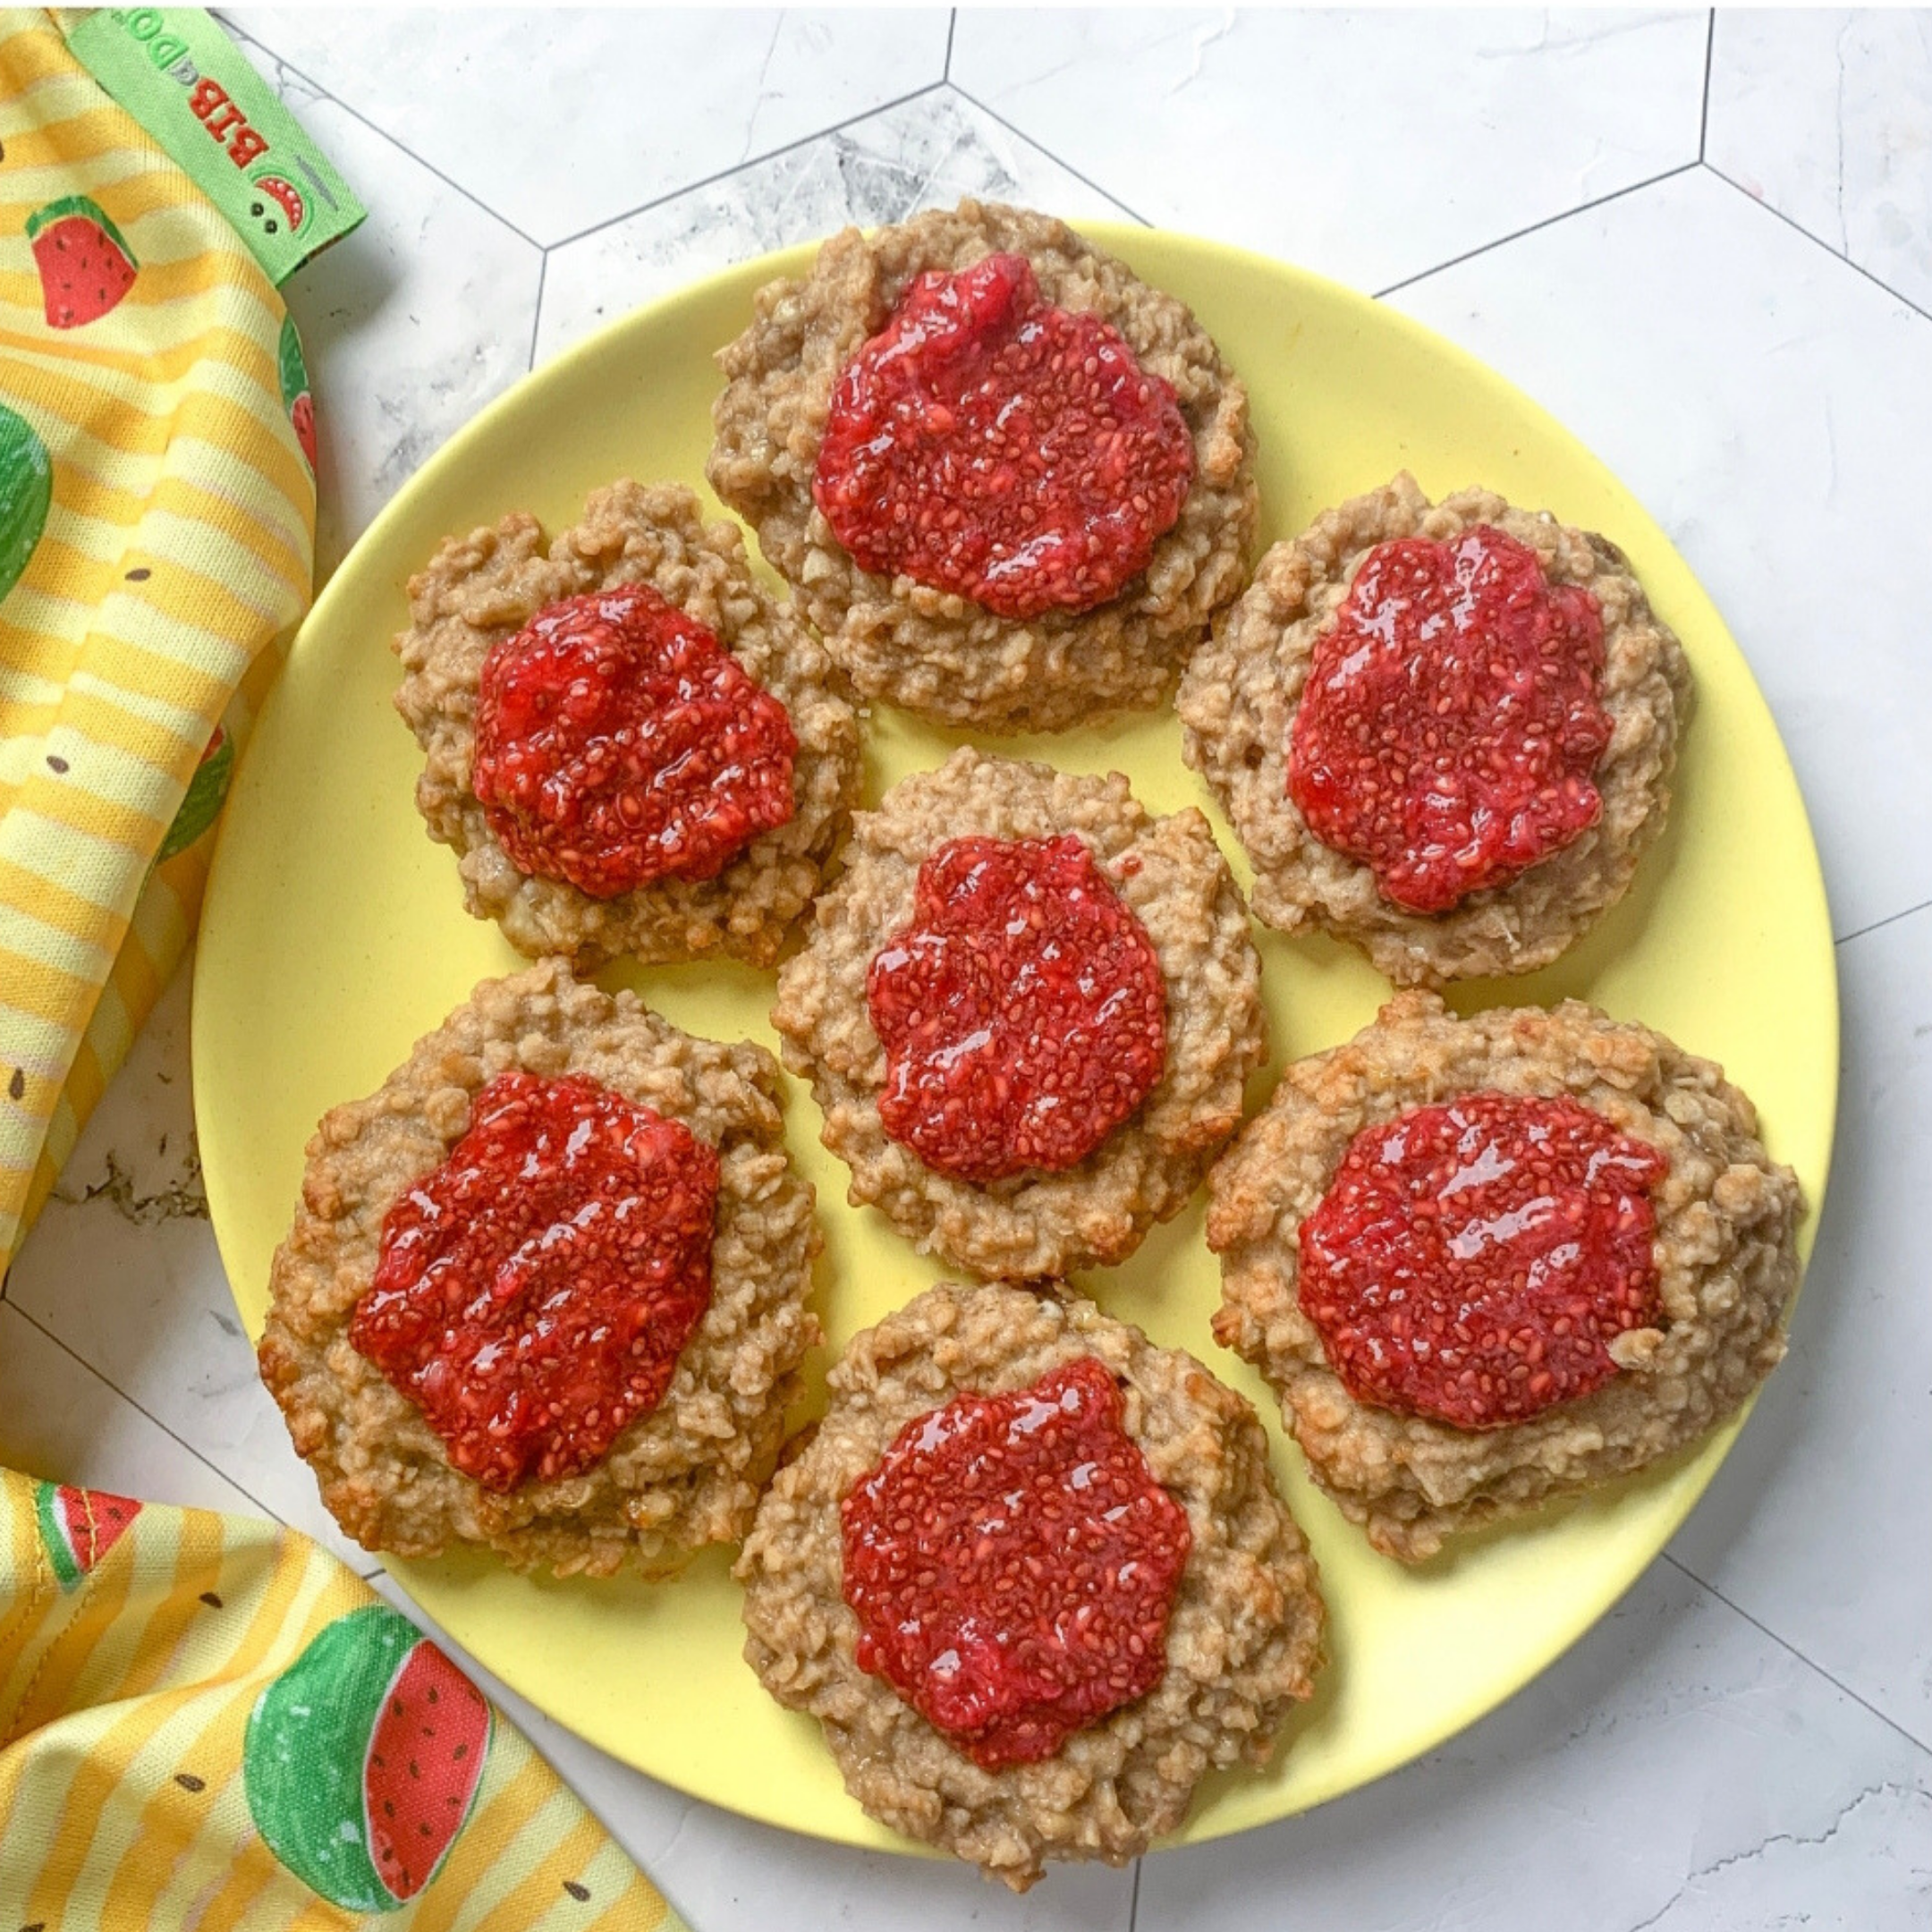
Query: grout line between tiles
(945, 73)
(739, 168)
(1784, 1644)
(535, 325)
(992, 114)
(1548, 221)
(1133, 1897)
(1799, 228)
(316, 87)
(107, 1382)
(1891, 919)
(1710, 47)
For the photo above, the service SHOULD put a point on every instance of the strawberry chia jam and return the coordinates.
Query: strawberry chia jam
(533, 1294)
(1449, 725)
(1471, 1262)
(617, 743)
(989, 443)
(1022, 1013)
(1012, 1563)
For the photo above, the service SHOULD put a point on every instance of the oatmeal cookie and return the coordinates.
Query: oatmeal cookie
(1170, 875)
(1243, 1630)
(1244, 691)
(685, 1474)
(1724, 1251)
(936, 652)
(485, 588)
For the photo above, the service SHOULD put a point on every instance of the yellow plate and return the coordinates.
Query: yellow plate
(334, 936)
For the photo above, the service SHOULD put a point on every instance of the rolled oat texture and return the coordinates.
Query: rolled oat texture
(488, 586)
(1244, 1638)
(685, 1474)
(1170, 873)
(1238, 701)
(932, 651)
(1725, 1249)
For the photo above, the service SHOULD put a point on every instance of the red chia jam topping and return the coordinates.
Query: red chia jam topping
(617, 743)
(989, 443)
(1471, 1262)
(1022, 1013)
(533, 1292)
(1449, 725)
(1012, 1563)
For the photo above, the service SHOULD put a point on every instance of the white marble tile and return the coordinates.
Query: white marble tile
(409, 326)
(1369, 146)
(925, 153)
(1677, 1770)
(60, 1421)
(1773, 410)
(725, 1874)
(1820, 1522)
(561, 119)
(121, 1267)
(1826, 116)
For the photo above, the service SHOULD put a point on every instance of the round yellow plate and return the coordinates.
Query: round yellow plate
(335, 934)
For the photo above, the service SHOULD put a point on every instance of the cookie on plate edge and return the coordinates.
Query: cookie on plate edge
(631, 747)
(1008, 481)
(1032, 1576)
(1444, 733)
(615, 1197)
(1485, 1262)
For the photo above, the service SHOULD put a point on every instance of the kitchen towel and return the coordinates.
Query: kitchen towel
(208, 1722)
(156, 544)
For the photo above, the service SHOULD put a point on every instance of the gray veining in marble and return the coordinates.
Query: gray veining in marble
(927, 153)
(1826, 115)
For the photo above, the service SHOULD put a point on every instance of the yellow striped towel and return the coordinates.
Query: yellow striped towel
(157, 546)
(209, 1723)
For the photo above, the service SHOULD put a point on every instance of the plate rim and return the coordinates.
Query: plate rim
(1120, 238)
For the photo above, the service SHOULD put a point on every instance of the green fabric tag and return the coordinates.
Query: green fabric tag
(188, 84)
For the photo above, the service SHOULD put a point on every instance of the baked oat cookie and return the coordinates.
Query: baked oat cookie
(554, 1487)
(1502, 894)
(482, 590)
(941, 652)
(1171, 1004)
(1688, 1225)
(1026, 1769)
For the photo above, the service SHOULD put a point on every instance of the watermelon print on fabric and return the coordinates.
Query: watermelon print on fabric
(128, 1738)
(79, 1526)
(202, 804)
(295, 396)
(363, 1760)
(85, 265)
(26, 490)
(287, 196)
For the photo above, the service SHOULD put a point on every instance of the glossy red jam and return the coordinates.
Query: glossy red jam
(1012, 1563)
(990, 444)
(532, 1295)
(1022, 1013)
(1449, 725)
(1471, 1261)
(616, 744)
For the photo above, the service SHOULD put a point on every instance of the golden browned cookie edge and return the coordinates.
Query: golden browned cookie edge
(687, 1474)
(1244, 1636)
